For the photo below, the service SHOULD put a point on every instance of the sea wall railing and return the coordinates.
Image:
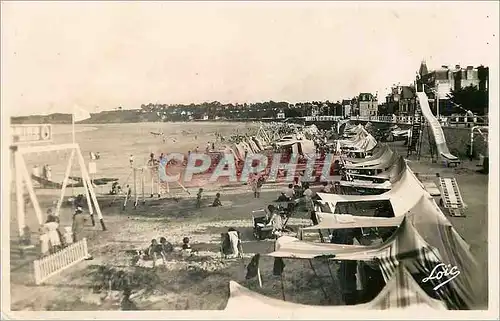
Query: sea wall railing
(448, 121)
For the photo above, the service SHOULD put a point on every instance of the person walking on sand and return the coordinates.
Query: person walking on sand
(131, 160)
(259, 181)
(78, 224)
(198, 198)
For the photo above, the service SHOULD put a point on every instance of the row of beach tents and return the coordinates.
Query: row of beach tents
(424, 242)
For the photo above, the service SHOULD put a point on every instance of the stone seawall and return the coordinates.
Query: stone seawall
(457, 140)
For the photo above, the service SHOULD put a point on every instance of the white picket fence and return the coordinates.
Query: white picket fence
(51, 265)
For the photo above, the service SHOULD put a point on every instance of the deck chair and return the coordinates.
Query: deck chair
(227, 247)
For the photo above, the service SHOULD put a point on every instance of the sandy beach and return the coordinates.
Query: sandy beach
(200, 281)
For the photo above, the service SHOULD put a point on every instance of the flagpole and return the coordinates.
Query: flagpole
(73, 125)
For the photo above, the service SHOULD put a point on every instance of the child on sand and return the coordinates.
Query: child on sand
(166, 247)
(51, 228)
(154, 251)
(258, 186)
(217, 201)
(198, 198)
(185, 244)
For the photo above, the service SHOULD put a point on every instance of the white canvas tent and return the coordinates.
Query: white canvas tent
(400, 293)
(404, 194)
(378, 151)
(383, 161)
(424, 240)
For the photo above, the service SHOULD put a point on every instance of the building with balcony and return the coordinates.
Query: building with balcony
(439, 83)
(401, 101)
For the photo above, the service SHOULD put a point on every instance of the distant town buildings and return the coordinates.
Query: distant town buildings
(367, 105)
(400, 101)
(445, 79)
(440, 83)
(346, 108)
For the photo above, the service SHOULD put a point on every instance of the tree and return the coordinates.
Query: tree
(470, 98)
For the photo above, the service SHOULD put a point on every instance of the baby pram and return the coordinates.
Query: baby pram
(262, 229)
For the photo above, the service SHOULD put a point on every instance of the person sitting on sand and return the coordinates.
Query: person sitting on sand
(114, 189)
(325, 188)
(198, 197)
(217, 201)
(270, 211)
(166, 246)
(127, 304)
(283, 197)
(185, 244)
(290, 192)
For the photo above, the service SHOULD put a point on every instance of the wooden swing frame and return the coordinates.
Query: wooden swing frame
(22, 177)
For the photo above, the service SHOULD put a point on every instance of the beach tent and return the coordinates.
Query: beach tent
(391, 170)
(240, 151)
(367, 144)
(377, 159)
(253, 146)
(424, 241)
(302, 146)
(400, 293)
(405, 193)
(378, 151)
(363, 141)
(246, 147)
(340, 221)
(260, 143)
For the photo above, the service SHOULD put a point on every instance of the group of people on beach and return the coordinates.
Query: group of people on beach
(45, 174)
(160, 249)
(51, 237)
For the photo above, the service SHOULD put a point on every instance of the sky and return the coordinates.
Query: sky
(101, 55)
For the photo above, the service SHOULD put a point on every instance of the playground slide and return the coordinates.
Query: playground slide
(437, 131)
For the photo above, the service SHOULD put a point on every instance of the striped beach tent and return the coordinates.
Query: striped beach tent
(400, 293)
(426, 245)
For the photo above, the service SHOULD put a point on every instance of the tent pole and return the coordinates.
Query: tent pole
(320, 284)
(334, 280)
(282, 286)
(143, 187)
(259, 277)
